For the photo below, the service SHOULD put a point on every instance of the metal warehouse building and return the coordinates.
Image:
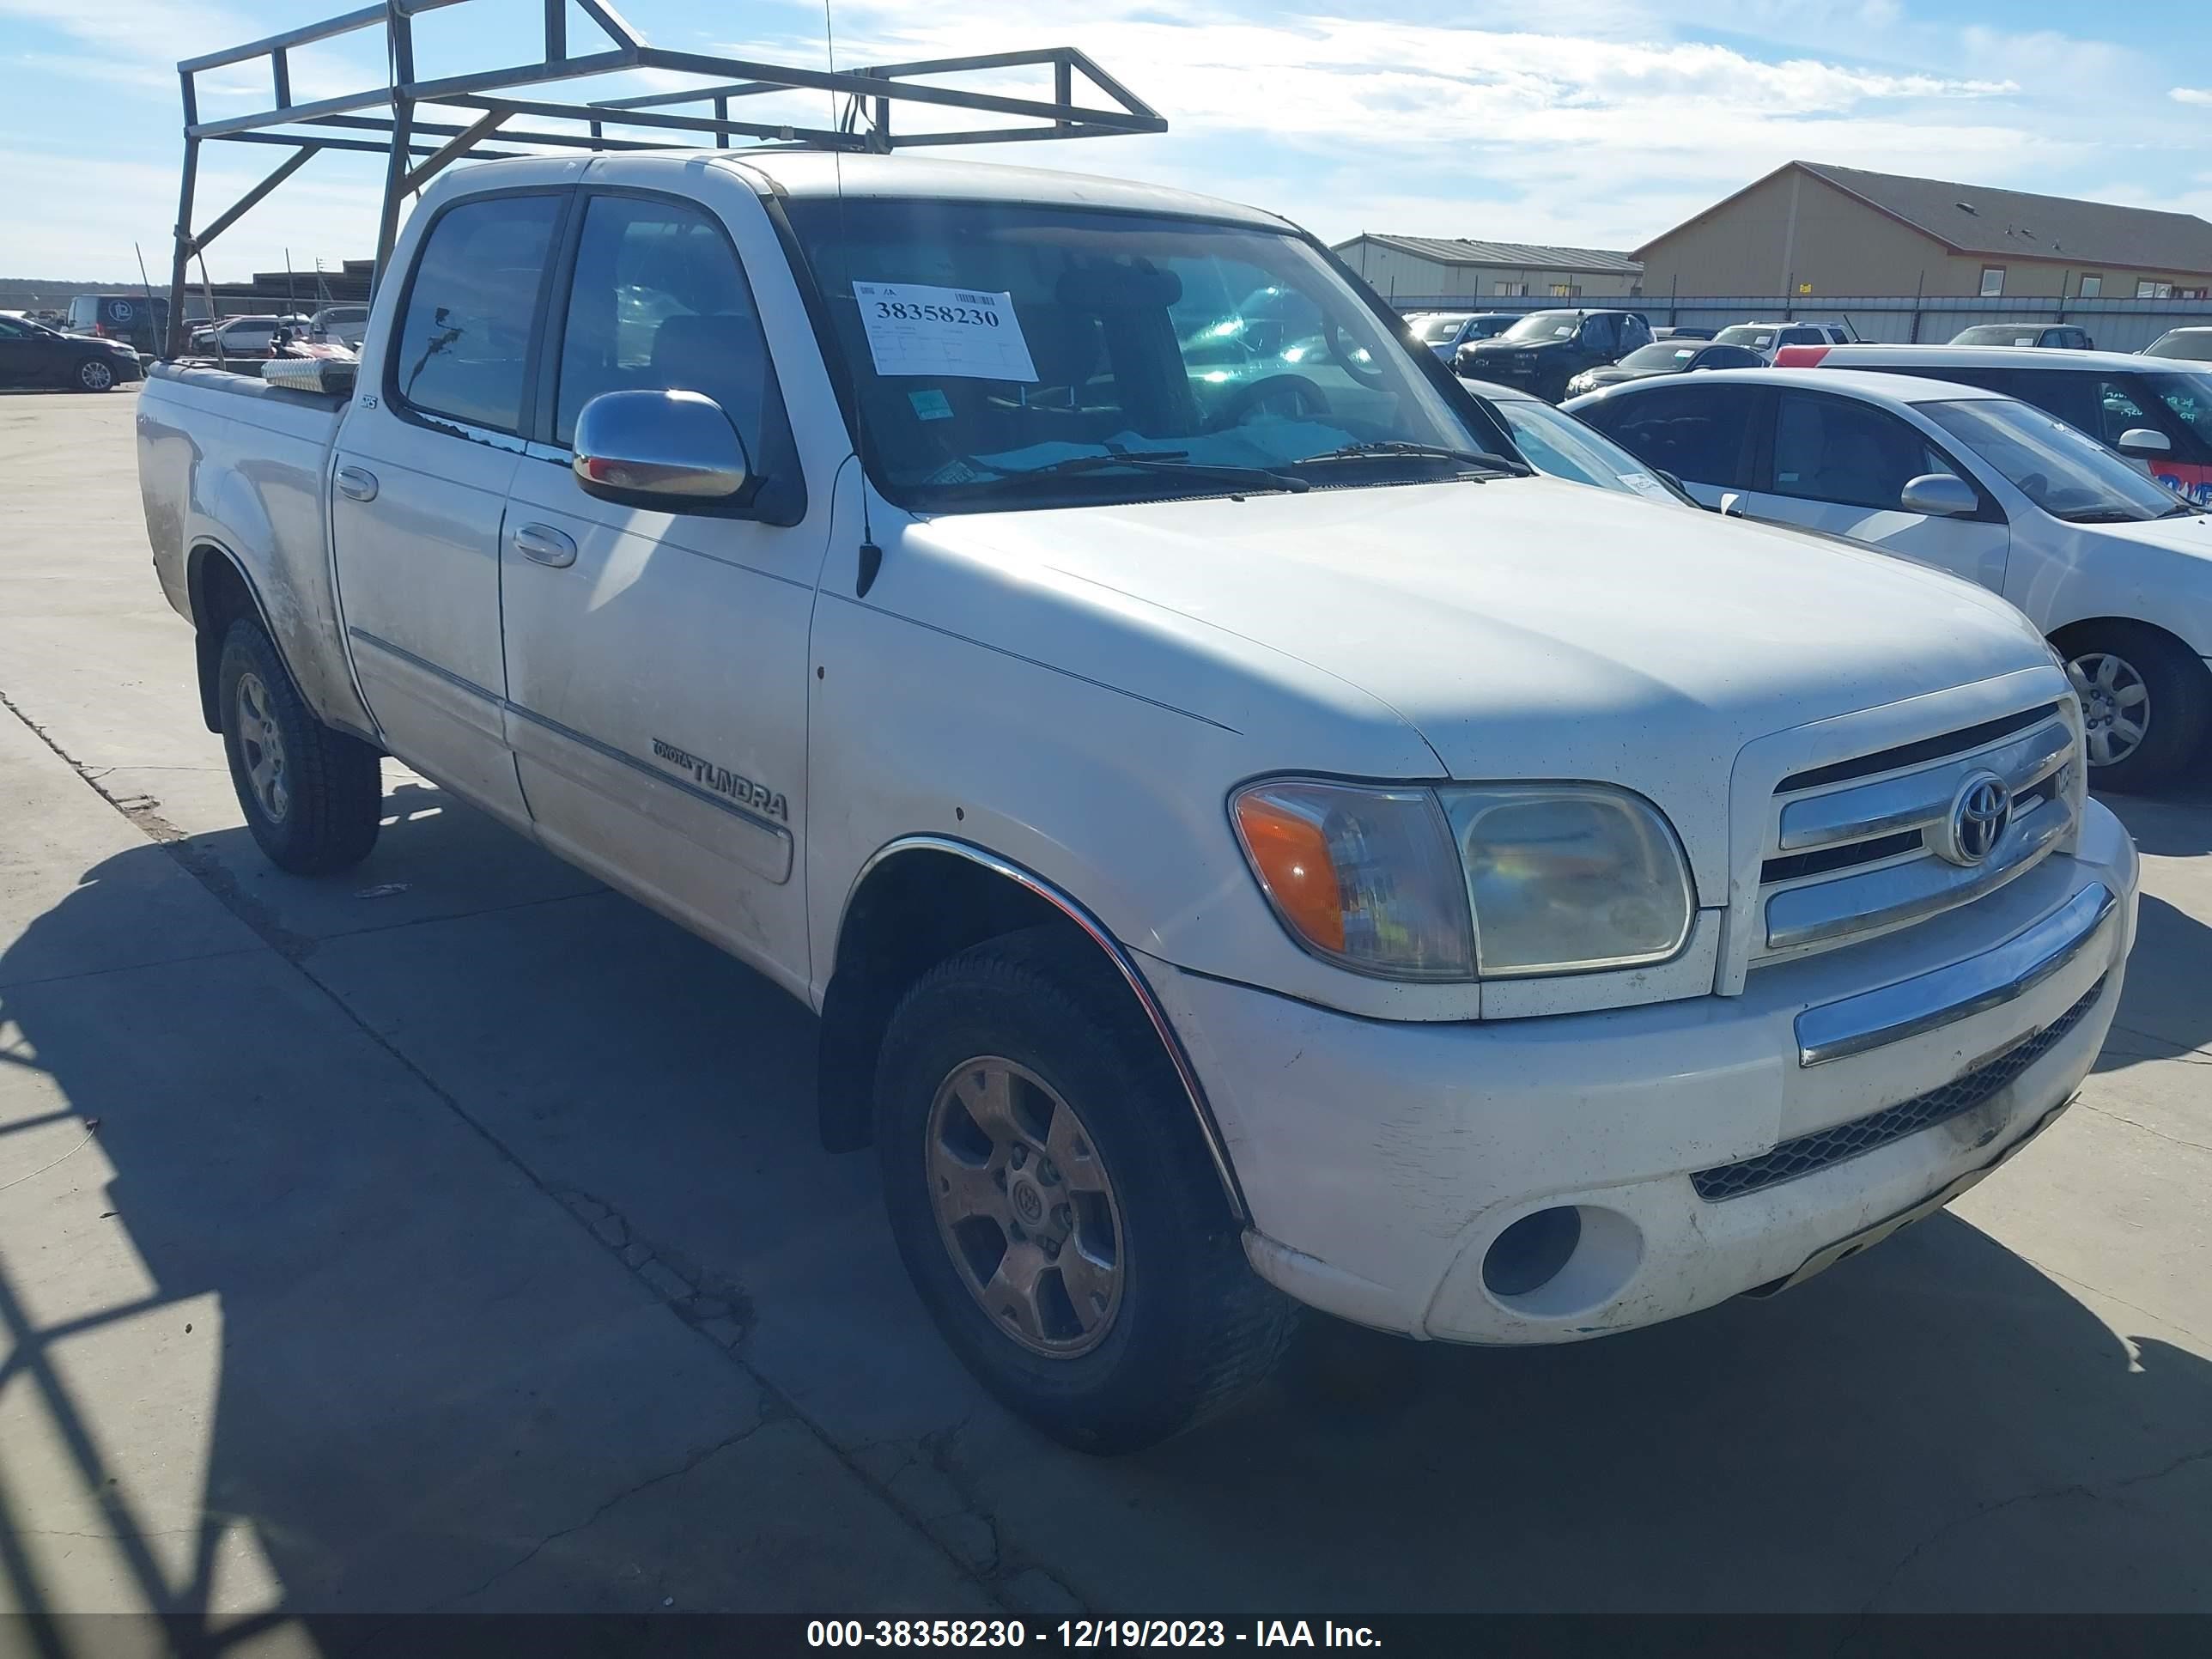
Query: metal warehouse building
(1424, 268)
(1811, 229)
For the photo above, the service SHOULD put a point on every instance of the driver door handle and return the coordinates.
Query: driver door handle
(543, 545)
(355, 484)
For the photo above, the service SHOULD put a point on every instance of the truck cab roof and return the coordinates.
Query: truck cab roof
(805, 173)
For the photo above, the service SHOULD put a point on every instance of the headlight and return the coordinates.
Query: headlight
(1364, 877)
(1567, 877)
(1493, 881)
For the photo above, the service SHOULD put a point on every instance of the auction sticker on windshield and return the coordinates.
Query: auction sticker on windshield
(916, 329)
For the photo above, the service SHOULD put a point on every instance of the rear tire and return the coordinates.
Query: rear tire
(312, 795)
(1141, 1316)
(2145, 699)
(93, 375)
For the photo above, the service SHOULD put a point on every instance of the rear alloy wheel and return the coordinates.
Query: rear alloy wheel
(312, 796)
(93, 375)
(2145, 703)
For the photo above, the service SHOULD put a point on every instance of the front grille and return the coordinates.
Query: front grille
(1851, 847)
(1795, 866)
(1809, 1154)
(1907, 754)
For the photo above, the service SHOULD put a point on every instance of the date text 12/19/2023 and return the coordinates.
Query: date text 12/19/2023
(1080, 1633)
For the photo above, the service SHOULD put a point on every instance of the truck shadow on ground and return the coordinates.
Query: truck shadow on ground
(1936, 1424)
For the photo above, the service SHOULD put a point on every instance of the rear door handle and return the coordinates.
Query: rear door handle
(543, 544)
(355, 484)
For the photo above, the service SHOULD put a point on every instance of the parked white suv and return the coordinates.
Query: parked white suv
(245, 337)
(1241, 831)
(1767, 338)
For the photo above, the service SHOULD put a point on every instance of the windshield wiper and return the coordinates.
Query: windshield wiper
(1481, 458)
(2104, 515)
(1162, 460)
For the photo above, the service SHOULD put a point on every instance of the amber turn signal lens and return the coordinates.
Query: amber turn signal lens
(1291, 854)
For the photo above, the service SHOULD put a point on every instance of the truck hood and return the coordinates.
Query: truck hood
(1525, 628)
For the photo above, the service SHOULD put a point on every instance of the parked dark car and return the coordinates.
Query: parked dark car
(2191, 344)
(1547, 348)
(2059, 337)
(1683, 331)
(1676, 357)
(31, 355)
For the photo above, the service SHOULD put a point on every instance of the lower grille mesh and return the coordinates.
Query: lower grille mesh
(1809, 1154)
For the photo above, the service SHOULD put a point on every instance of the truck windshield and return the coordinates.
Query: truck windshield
(1011, 355)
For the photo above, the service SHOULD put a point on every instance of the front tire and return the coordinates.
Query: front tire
(2146, 702)
(93, 375)
(1054, 1205)
(312, 795)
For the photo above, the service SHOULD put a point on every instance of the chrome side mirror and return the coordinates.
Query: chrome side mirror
(1940, 496)
(641, 447)
(2142, 442)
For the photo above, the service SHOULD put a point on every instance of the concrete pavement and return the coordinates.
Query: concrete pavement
(507, 1289)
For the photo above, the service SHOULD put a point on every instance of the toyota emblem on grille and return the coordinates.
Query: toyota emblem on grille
(1979, 814)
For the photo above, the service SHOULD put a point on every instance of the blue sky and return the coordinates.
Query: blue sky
(1595, 121)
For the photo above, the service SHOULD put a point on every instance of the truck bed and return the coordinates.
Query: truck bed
(229, 462)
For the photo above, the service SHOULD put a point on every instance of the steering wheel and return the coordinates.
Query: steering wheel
(1345, 352)
(1287, 396)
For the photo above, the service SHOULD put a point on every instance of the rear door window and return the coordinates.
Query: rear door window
(1831, 449)
(1699, 432)
(462, 348)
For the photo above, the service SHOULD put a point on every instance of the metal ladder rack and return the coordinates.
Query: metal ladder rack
(416, 149)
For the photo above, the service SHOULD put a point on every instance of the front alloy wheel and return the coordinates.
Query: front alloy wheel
(1025, 1206)
(93, 375)
(1055, 1203)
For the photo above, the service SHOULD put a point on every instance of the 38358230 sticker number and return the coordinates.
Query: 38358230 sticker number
(920, 329)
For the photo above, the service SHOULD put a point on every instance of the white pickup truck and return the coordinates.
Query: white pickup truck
(1241, 834)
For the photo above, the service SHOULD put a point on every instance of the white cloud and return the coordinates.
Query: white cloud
(2190, 95)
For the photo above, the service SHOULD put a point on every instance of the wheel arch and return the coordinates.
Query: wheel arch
(220, 593)
(920, 899)
(2082, 628)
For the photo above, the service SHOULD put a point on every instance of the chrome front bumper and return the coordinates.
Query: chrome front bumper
(1835, 1030)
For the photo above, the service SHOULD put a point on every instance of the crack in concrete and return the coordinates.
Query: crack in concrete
(2096, 1493)
(2165, 1320)
(126, 967)
(607, 1505)
(2135, 1123)
(2193, 1053)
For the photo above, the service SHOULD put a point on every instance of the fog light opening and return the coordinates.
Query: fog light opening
(1528, 1255)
